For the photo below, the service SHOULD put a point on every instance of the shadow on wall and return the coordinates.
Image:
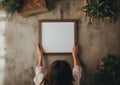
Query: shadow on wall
(98, 40)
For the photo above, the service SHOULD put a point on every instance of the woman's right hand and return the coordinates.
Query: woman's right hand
(75, 50)
(75, 55)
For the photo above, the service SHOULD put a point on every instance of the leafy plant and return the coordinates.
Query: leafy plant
(12, 6)
(102, 9)
(108, 72)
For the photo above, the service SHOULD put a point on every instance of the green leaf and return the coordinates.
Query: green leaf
(12, 6)
(101, 4)
(88, 2)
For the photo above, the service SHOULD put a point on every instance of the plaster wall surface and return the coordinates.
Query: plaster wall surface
(95, 41)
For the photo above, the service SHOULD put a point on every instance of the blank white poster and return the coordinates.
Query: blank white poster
(57, 37)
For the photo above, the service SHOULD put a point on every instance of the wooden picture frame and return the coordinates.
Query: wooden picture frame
(57, 36)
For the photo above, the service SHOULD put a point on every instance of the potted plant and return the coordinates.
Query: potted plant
(24, 7)
(108, 72)
(12, 6)
(102, 9)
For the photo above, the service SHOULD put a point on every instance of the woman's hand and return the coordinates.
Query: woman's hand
(39, 51)
(40, 55)
(75, 55)
(75, 50)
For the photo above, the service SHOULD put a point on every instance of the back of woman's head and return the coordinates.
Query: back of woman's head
(59, 73)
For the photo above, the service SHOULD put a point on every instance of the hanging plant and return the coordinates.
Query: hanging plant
(102, 9)
(11, 6)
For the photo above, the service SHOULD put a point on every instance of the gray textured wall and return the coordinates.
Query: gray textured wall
(95, 41)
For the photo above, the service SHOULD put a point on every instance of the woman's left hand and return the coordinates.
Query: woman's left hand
(40, 51)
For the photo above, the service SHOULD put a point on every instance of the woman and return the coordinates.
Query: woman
(60, 72)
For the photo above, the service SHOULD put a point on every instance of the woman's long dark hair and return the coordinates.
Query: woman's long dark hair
(59, 73)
